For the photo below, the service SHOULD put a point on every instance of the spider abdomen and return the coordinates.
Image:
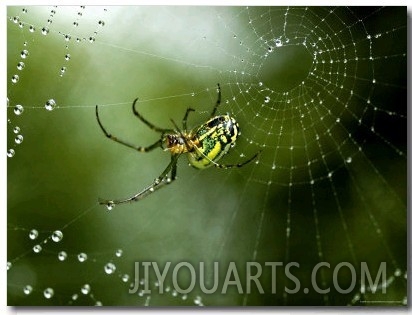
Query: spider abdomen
(213, 140)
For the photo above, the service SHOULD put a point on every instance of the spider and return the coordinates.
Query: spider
(204, 146)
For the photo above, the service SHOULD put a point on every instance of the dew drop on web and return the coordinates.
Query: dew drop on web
(20, 65)
(50, 104)
(45, 31)
(82, 257)
(85, 289)
(37, 248)
(24, 54)
(33, 234)
(10, 153)
(15, 78)
(110, 268)
(18, 139)
(27, 289)
(48, 293)
(18, 109)
(57, 236)
(62, 256)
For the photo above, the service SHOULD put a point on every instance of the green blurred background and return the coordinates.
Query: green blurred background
(282, 209)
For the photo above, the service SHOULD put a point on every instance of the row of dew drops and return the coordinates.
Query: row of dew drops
(24, 54)
(18, 110)
(109, 269)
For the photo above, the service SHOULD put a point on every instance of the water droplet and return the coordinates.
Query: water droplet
(45, 30)
(260, 83)
(67, 57)
(48, 293)
(270, 49)
(18, 139)
(349, 160)
(75, 24)
(278, 42)
(82, 257)
(125, 277)
(9, 264)
(37, 248)
(57, 236)
(32, 28)
(10, 153)
(119, 252)
(15, 78)
(75, 297)
(92, 39)
(197, 300)
(62, 256)
(62, 70)
(33, 234)
(24, 54)
(98, 303)
(27, 289)
(50, 104)
(20, 65)
(330, 174)
(110, 205)
(24, 10)
(101, 23)
(184, 297)
(16, 19)
(267, 99)
(174, 293)
(18, 109)
(67, 37)
(109, 268)
(85, 289)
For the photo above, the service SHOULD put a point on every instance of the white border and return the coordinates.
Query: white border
(3, 197)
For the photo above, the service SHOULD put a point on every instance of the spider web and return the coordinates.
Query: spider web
(321, 90)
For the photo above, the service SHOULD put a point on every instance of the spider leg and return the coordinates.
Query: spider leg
(146, 122)
(225, 166)
(158, 183)
(219, 98)
(185, 118)
(137, 148)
